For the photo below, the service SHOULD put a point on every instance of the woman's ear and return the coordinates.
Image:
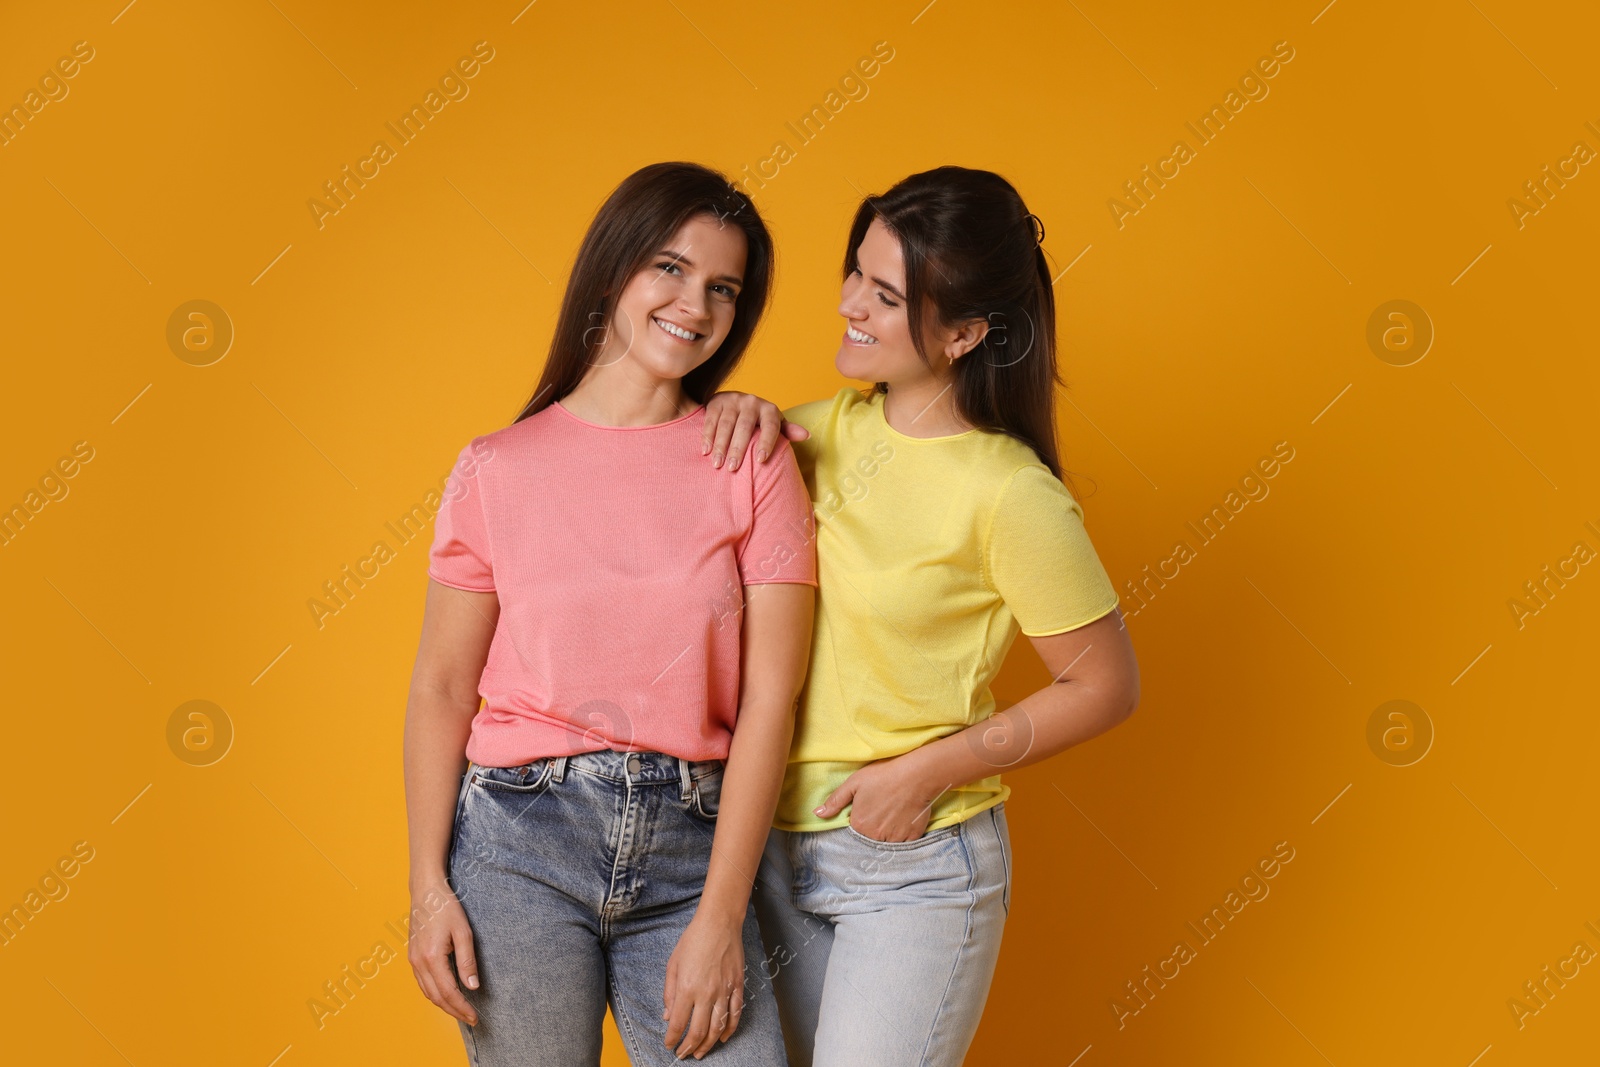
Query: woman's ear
(965, 338)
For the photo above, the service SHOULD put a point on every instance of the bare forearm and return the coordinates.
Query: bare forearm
(1037, 727)
(751, 781)
(437, 728)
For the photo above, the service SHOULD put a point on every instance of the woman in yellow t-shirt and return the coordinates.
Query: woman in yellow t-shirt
(942, 529)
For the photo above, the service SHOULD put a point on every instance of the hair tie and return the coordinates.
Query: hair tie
(1036, 224)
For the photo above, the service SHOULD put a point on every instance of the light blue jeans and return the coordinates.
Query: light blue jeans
(881, 953)
(578, 874)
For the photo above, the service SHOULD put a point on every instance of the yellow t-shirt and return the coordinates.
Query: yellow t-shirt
(931, 554)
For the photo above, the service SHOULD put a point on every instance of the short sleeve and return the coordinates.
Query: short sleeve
(460, 555)
(782, 543)
(1038, 556)
(818, 417)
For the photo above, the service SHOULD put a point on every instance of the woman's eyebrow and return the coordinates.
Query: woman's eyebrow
(679, 257)
(889, 287)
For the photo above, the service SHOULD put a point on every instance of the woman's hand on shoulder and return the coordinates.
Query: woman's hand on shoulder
(732, 417)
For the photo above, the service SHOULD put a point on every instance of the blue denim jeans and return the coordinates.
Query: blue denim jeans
(882, 952)
(578, 874)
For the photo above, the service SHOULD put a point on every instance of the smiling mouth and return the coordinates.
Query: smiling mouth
(677, 332)
(856, 336)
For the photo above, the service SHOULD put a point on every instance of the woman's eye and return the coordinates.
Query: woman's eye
(887, 302)
(667, 266)
(727, 291)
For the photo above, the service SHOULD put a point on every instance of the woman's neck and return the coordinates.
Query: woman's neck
(620, 399)
(925, 408)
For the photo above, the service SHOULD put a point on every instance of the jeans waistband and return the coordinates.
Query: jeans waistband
(639, 768)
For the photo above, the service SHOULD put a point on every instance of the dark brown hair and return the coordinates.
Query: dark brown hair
(972, 251)
(636, 222)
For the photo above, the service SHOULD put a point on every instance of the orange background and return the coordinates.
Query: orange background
(1229, 314)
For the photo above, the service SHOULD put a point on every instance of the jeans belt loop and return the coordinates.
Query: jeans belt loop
(560, 770)
(686, 786)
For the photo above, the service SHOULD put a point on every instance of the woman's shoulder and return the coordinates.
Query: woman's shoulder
(510, 443)
(816, 413)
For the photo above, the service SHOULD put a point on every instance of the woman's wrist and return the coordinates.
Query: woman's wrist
(721, 910)
(428, 879)
(929, 771)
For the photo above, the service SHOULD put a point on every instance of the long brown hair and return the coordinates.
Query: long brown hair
(972, 250)
(636, 222)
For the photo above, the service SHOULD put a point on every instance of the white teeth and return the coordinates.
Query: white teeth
(674, 330)
(859, 337)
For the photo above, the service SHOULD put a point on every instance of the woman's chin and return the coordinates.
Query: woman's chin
(850, 364)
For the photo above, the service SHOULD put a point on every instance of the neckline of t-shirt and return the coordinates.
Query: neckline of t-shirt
(602, 426)
(875, 401)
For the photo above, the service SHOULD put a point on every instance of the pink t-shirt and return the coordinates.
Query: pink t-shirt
(619, 555)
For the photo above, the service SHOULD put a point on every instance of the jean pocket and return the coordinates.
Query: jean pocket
(944, 833)
(1003, 835)
(455, 820)
(705, 796)
(528, 778)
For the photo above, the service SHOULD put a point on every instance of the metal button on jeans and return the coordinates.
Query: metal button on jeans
(633, 764)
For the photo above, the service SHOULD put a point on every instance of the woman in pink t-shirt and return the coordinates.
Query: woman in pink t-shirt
(637, 625)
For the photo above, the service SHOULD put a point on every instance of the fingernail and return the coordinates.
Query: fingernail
(472, 981)
(762, 455)
(718, 461)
